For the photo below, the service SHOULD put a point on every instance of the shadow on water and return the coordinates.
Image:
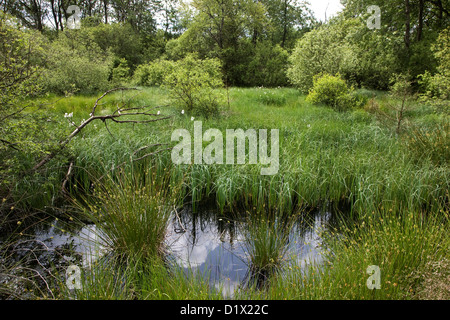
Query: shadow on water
(214, 245)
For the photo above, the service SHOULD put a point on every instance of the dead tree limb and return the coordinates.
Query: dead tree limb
(119, 113)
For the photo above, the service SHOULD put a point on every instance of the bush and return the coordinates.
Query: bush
(75, 62)
(333, 91)
(268, 66)
(436, 88)
(347, 47)
(120, 74)
(192, 83)
(323, 50)
(153, 73)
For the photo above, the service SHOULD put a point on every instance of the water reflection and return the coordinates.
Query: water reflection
(204, 242)
(213, 245)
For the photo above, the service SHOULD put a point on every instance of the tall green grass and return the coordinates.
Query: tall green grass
(403, 246)
(266, 242)
(132, 210)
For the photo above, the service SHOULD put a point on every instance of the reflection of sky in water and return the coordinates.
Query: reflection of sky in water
(216, 248)
(204, 242)
(85, 241)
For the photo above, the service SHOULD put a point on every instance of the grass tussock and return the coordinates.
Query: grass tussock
(406, 248)
(132, 211)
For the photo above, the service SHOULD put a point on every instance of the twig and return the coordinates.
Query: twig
(178, 218)
(66, 179)
(105, 94)
(10, 144)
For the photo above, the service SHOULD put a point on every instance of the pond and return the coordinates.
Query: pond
(214, 245)
(204, 242)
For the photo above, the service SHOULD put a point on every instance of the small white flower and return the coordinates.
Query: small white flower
(182, 111)
(68, 115)
(309, 126)
(158, 113)
(192, 118)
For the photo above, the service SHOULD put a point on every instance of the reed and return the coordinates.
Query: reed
(266, 242)
(403, 246)
(132, 210)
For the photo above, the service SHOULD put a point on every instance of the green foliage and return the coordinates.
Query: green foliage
(76, 62)
(267, 66)
(118, 38)
(22, 120)
(437, 87)
(333, 91)
(120, 72)
(192, 84)
(347, 47)
(153, 73)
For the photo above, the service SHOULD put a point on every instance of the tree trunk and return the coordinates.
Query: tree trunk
(105, 6)
(407, 24)
(420, 23)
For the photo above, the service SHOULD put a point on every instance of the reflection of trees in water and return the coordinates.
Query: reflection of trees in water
(206, 224)
(204, 220)
(207, 220)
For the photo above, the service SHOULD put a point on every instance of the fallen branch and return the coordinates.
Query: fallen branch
(66, 179)
(115, 116)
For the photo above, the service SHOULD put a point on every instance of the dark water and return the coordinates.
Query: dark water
(214, 245)
(204, 242)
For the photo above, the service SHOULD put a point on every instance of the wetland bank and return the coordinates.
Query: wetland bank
(347, 195)
(135, 161)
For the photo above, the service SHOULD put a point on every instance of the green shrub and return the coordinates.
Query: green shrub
(268, 66)
(76, 63)
(153, 73)
(436, 88)
(192, 83)
(347, 47)
(121, 72)
(333, 91)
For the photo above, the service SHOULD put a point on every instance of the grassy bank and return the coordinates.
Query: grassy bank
(396, 192)
(324, 155)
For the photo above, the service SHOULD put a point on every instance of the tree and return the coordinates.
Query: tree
(344, 46)
(20, 55)
(288, 19)
(138, 13)
(30, 12)
(419, 21)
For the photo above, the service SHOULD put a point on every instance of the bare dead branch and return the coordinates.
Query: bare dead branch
(66, 179)
(105, 94)
(113, 117)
